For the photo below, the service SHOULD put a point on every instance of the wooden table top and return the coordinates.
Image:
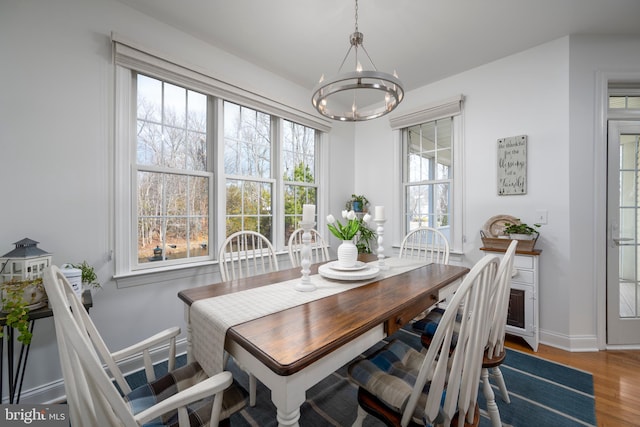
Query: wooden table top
(292, 339)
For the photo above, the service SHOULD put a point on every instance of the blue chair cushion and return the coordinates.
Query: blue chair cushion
(428, 325)
(390, 374)
(147, 395)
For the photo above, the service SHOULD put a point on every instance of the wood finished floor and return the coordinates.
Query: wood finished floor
(616, 379)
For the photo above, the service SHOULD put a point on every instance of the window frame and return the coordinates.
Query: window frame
(130, 59)
(452, 107)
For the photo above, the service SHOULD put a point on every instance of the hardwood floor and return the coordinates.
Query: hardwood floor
(616, 379)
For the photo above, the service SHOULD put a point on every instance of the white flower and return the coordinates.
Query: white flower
(330, 219)
(344, 214)
(351, 215)
(366, 218)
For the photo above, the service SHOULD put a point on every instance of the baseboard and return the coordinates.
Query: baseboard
(573, 343)
(53, 392)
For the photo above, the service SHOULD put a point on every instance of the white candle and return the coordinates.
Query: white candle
(308, 213)
(379, 213)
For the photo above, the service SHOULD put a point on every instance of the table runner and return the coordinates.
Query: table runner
(211, 317)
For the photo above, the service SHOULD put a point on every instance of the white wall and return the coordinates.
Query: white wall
(550, 94)
(523, 94)
(56, 134)
(593, 60)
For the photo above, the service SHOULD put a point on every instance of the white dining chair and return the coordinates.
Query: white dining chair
(425, 244)
(185, 396)
(401, 385)
(494, 353)
(319, 247)
(244, 254)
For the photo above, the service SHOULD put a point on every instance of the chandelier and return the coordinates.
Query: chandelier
(360, 94)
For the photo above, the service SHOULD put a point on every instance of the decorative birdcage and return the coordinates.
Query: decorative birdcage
(26, 262)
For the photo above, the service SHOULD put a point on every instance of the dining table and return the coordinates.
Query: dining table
(291, 340)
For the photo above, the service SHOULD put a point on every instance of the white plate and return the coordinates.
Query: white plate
(336, 266)
(369, 272)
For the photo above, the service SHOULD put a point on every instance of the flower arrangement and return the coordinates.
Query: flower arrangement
(350, 229)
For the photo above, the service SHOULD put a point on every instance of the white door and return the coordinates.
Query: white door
(623, 240)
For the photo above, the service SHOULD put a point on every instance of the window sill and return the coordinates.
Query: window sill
(201, 273)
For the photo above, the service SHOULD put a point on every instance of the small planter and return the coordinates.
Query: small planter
(516, 236)
(526, 244)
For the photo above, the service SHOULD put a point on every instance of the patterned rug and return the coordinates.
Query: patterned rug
(542, 394)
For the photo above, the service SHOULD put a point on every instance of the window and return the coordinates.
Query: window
(428, 173)
(299, 174)
(247, 166)
(196, 160)
(171, 177)
(431, 146)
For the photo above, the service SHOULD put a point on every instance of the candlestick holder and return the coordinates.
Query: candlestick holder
(380, 233)
(305, 285)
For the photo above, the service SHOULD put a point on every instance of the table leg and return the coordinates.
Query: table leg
(15, 371)
(288, 393)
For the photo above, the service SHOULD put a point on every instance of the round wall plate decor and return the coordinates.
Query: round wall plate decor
(494, 227)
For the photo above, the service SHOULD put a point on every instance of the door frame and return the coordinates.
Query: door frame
(601, 116)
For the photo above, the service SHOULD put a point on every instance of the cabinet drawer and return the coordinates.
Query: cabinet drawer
(523, 261)
(448, 290)
(523, 276)
(408, 313)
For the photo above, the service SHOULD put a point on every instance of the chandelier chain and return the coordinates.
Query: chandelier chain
(356, 16)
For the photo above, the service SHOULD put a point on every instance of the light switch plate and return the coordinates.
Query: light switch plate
(541, 216)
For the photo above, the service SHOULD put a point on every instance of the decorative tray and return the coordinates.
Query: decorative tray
(368, 272)
(494, 227)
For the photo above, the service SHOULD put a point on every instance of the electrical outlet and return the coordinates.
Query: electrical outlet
(541, 216)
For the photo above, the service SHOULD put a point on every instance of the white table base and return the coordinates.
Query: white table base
(288, 393)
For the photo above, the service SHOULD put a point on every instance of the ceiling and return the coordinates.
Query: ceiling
(423, 40)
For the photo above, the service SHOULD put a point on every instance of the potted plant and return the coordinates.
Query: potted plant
(18, 297)
(89, 276)
(521, 231)
(357, 203)
(364, 238)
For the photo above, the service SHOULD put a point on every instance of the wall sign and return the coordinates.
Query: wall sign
(512, 165)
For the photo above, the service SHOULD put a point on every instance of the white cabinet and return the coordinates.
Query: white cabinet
(523, 315)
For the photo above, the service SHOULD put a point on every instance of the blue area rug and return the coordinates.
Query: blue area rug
(542, 394)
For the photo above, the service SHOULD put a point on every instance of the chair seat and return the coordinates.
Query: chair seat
(492, 362)
(147, 395)
(390, 374)
(428, 325)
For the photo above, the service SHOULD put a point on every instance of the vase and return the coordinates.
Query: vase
(347, 254)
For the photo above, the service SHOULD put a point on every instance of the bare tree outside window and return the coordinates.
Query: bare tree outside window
(247, 163)
(172, 178)
(300, 186)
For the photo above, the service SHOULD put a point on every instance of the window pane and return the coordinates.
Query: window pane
(150, 232)
(443, 146)
(172, 216)
(175, 105)
(176, 195)
(247, 141)
(149, 99)
(298, 151)
(249, 207)
(617, 102)
(428, 175)
(633, 102)
(164, 136)
(294, 197)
